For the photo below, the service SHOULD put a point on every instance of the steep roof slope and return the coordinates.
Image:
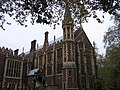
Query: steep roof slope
(80, 35)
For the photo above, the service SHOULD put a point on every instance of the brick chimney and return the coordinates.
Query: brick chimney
(46, 41)
(16, 52)
(33, 45)
(33, 54)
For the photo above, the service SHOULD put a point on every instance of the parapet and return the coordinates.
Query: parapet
(7, 51)
(4, 50)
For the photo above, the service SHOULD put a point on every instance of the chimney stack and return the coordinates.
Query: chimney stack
(16, 52)
(46, 36)
(33, 45)
(46, 41)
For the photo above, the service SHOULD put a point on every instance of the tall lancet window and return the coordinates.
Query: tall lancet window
(49, 56)
(64, 32)
(68, 32)
(59, 54)
(49, 63)
(59, 60)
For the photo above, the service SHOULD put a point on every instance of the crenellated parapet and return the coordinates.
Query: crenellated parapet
(8, 51)
(4, 50)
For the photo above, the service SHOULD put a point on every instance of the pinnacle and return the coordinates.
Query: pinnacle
(67, 14)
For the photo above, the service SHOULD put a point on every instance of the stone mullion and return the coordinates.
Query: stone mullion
(70, 33)
(10, 67)
(5, 69)
(66, 33)
(16, 87)
(21, 70)
(45, 59)
(66, 52)
(71, 52)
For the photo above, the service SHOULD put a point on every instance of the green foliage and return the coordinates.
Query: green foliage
(112, 36)
(109, 69)
(51, 11)
(109, 72)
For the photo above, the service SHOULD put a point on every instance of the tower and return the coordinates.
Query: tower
(69, 66)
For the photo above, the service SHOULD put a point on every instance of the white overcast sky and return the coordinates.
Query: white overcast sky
(17, 37)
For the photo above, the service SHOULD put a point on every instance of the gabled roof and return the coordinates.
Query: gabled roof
(80, 35)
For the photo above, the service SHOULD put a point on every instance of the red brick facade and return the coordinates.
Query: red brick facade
(11, 69)
(68, 62)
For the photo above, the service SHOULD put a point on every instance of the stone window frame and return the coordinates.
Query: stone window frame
(13, 68)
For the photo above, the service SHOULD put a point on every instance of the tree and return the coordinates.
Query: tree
(109, 65)
(109, 69)
(51, 11)
(110, 73)
(113, 55)
(112, 36)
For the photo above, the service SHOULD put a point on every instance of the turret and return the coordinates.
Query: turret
(69, 66)
(67, 24)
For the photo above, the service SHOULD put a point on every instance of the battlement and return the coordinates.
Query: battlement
(7, 51)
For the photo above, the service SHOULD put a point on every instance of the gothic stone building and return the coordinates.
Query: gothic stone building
(69, 62)
(11, 69)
